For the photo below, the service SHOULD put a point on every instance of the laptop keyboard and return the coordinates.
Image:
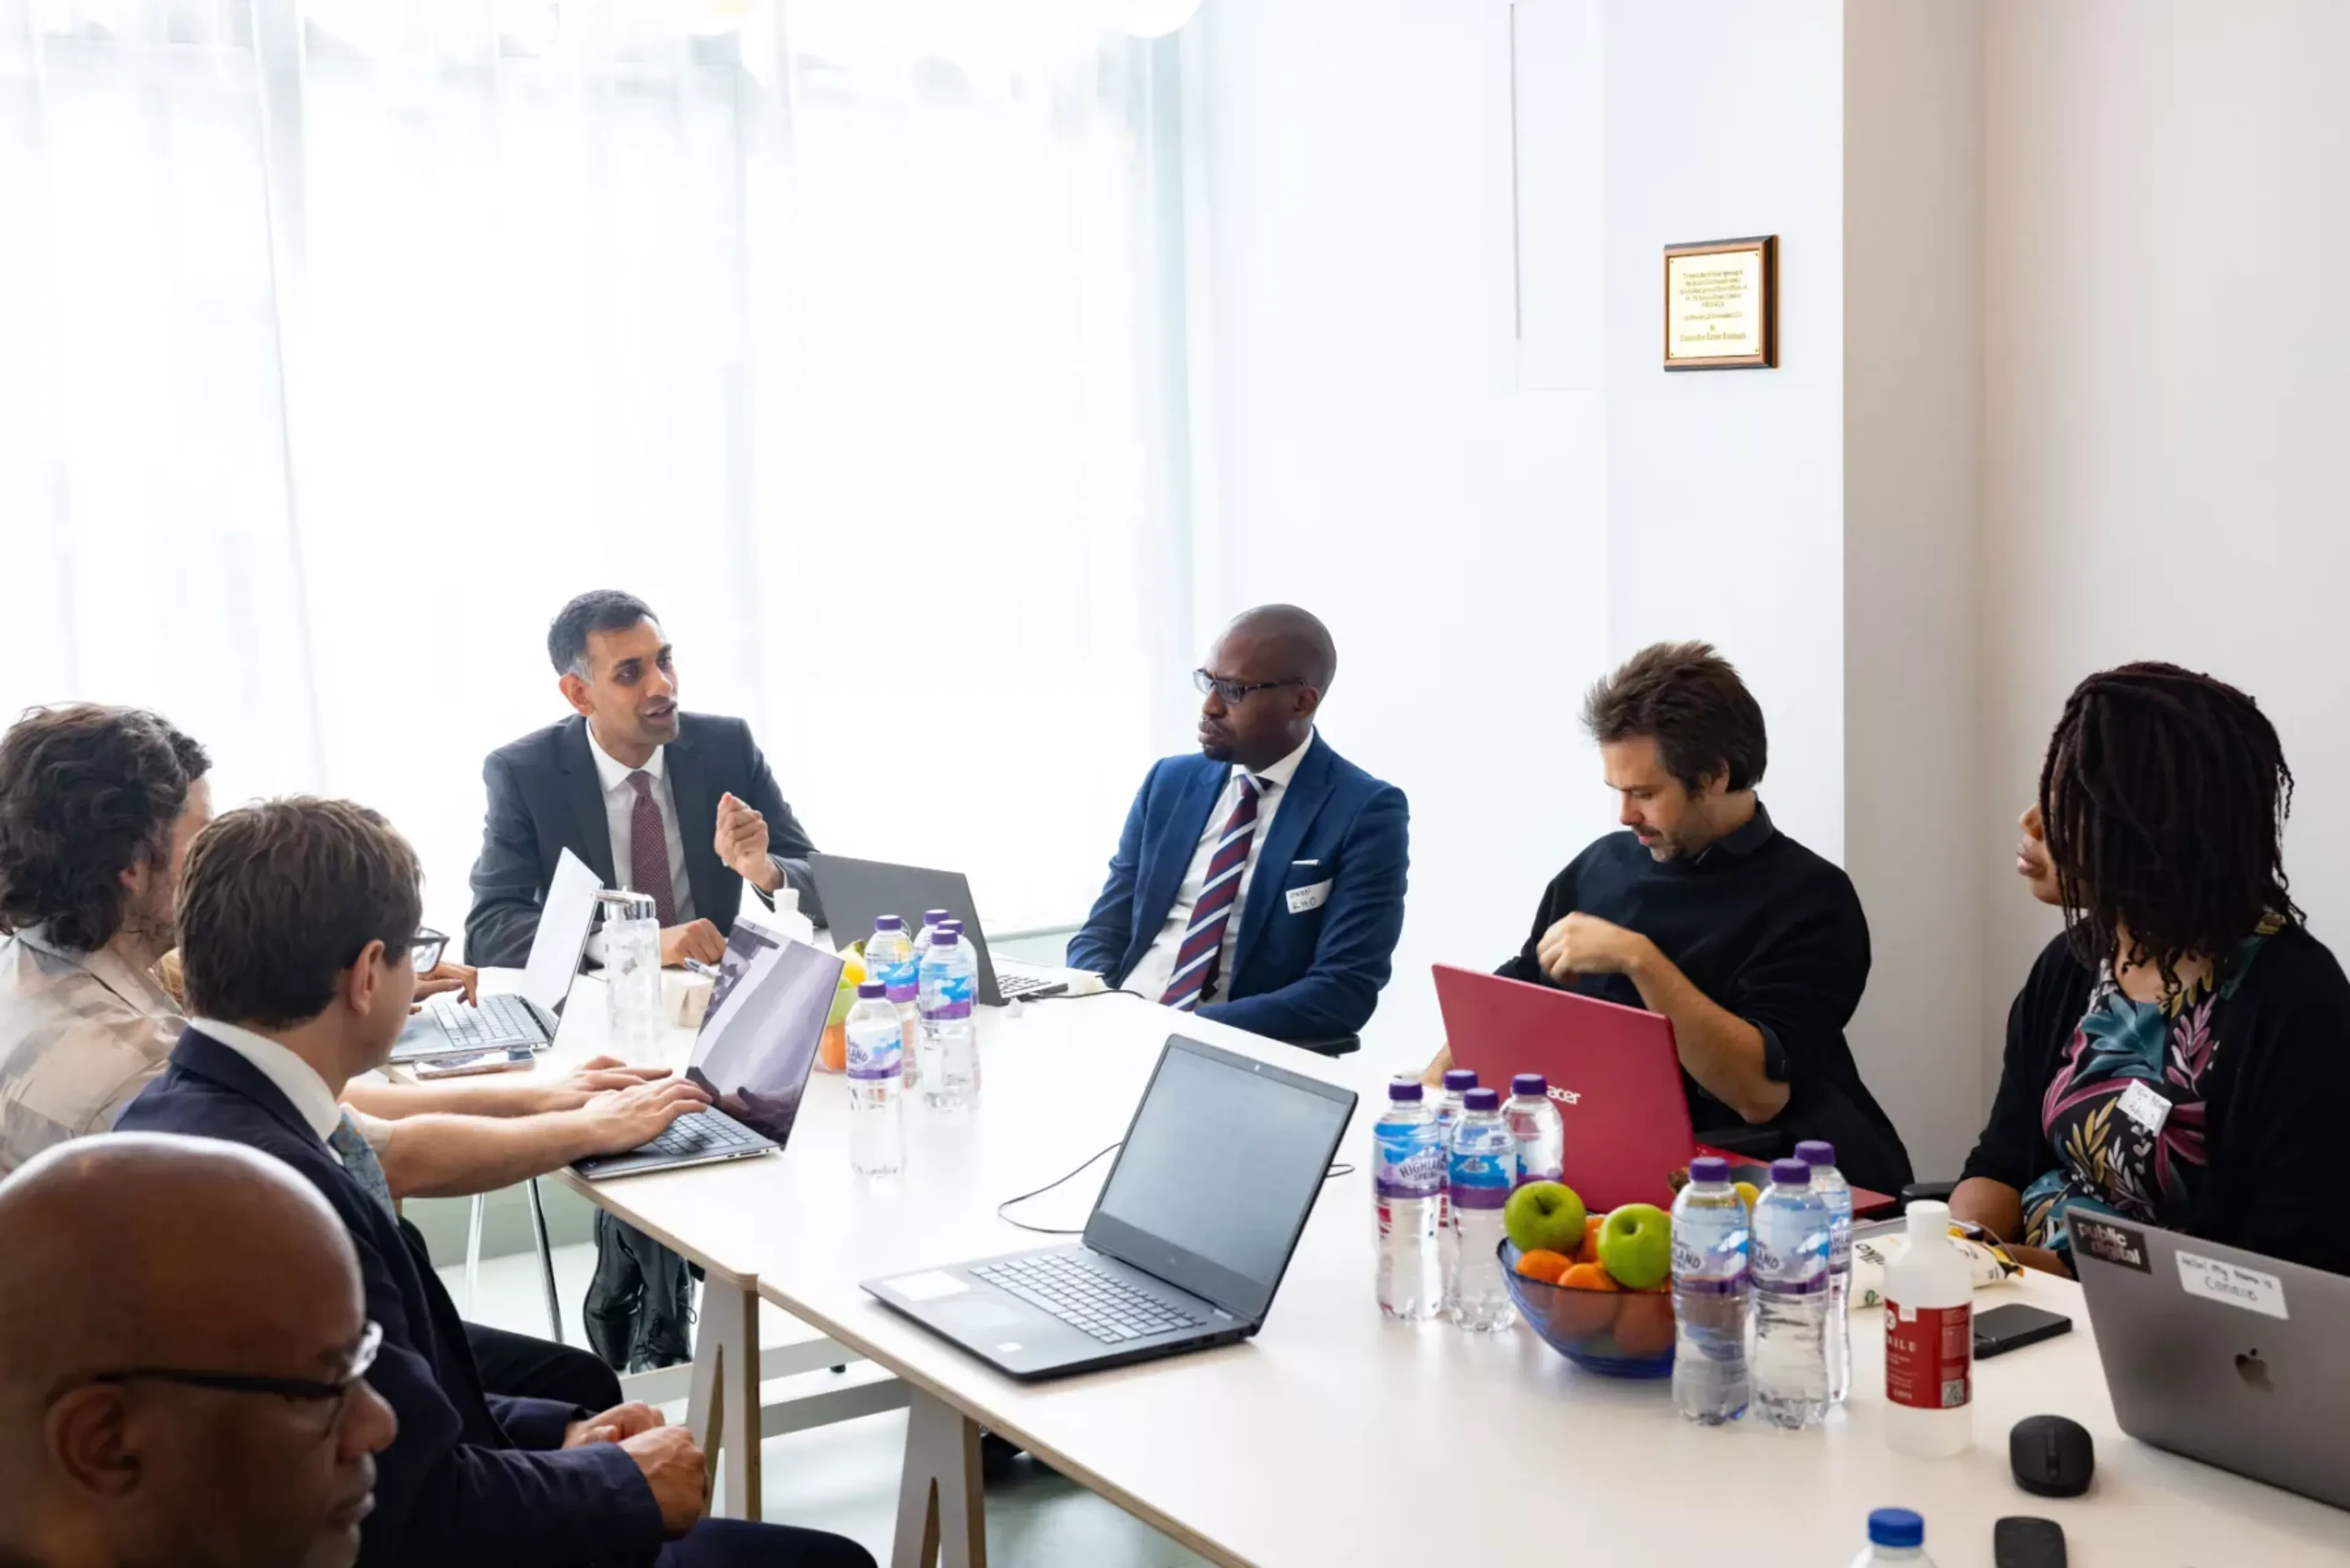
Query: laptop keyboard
(1015, 986)
(1086, 1298)
(502, 1020)
(701, 1132)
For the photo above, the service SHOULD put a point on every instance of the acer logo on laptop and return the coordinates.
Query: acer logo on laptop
(1566, 1096)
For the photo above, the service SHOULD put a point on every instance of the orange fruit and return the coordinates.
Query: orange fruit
(1544, 1265)
(1589, 1277)
(1644, 1324)
(1590, 1253)
(1579, 1314)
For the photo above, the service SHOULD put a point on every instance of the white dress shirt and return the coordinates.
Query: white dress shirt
(297, 1081)
(1153, 971)
(620, 811)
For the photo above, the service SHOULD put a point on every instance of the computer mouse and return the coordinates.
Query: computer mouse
(2051, 1456)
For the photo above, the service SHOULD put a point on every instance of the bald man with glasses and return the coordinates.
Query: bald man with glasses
(183, 1355)
(1259, 882)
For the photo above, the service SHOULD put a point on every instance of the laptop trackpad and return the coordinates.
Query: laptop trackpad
(979, 1316)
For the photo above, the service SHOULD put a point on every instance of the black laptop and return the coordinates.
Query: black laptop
(853, 891)
(758, 1041)
(1186, 1243)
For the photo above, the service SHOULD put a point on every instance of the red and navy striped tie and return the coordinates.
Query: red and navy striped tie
(1194, 979)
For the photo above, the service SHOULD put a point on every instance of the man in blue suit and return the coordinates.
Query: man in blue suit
(1260, 883)
(298, 918)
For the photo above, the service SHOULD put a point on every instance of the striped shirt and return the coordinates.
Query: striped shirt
(80, 1035)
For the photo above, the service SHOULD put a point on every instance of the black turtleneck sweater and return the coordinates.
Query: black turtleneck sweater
(1767, 930)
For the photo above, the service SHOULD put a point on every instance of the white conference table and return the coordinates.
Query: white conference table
(1338, 1438)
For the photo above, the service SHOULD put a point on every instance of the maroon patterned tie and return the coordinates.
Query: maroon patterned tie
(1196, 962)
(648, 850)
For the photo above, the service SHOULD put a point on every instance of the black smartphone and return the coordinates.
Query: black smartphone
(2022, 1543)
(2006, 1328)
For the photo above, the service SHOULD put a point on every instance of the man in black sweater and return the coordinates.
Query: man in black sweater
(1754, 946)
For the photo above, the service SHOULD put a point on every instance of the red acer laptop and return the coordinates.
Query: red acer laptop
(1615, 1076)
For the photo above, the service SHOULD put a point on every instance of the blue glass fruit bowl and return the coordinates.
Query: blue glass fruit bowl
(1617, 1334)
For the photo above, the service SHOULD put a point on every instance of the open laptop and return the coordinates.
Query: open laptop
(1186, 1243)
(447, 1028)
(1615, 1076)
(2221, 1355)
(854, 891)
(758, 1042)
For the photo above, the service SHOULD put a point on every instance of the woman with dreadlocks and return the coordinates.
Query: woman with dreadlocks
(2181, 1055)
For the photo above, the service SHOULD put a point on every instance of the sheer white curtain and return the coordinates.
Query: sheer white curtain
(341, 340)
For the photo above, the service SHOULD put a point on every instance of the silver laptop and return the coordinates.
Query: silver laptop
(1186, 1243)
(853, 891)
(449, 1027)
(2221, 1355)
(758, 1042)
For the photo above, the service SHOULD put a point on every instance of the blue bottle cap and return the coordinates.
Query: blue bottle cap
(1790, 1173)
(1404, 1091)
(1895, 1527)
(1709, 1167)
(1457, 1079)
(1481, 1100)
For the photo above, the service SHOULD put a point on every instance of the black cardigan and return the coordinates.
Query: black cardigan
(2278, 1100)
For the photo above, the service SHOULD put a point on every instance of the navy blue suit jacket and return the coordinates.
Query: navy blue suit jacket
(472, 1478)
(1309, 975)
(545, 798)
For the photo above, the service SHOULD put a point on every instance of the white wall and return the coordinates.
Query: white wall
(2165, 397)
(1724, 488)
(1370, 466)
(1913, 242)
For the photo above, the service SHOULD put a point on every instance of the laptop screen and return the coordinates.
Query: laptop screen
(563, 923)
(1219, 1172)
(760, 1033)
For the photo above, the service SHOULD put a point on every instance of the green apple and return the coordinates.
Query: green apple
(1544, 1216)
(1635, 1245)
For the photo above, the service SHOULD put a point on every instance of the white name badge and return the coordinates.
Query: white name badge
(1302, 899)
(2251, 1288)
(2142, 1106)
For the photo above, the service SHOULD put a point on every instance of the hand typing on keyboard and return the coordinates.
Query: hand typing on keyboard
(622, 1119)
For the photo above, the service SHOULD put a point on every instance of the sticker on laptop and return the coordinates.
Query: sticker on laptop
(1304, 899)
(2231, 1282)
(930, 1287)
(2109, 1242)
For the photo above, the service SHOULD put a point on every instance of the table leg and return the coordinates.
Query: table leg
(722, 1410)
(941, 1510)
(546, 1262)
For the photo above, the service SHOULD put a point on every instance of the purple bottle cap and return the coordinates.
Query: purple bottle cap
(889, 923)
(932, 917)
(1816, 1151)
(872, 990)
(954, 926)
(1530, 1084)
(943, 937)
(1709, 1167)
(1404, 1091)
(1790, 1173)
(1457, 1079)
(1483, 1100)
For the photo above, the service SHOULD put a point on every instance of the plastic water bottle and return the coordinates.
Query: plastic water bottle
(1894, 1535)
(1458, 1081)
(950, 1071)
(1790, 1252)
(632, 978)
(889, 958)
(1836, 1192)
(1710, 1295)
(1929, 1341)
(1480, 1169)
(1408, 1183)
(1535, 1126)
(877, 1076)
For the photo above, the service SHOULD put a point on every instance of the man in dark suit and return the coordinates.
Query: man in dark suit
(1260, 882)
(680, 806)
(298, 918)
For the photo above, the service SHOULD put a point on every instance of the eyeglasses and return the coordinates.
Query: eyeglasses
(425, 951)
(1233, 692)
(332, 1395)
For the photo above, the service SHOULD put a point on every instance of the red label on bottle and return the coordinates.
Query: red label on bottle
(1929, 1355)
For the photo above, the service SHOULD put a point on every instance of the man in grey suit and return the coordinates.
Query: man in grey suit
(676, 804)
